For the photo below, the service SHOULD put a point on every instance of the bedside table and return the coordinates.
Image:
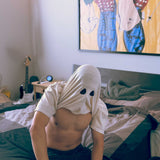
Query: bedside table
(40, 87)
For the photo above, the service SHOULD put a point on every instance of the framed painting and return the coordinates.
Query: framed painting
(120, 26)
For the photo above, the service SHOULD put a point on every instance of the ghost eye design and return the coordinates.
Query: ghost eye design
(92, 93)
(83, 91)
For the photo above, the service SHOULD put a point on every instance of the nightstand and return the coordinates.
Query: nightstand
(40, 87)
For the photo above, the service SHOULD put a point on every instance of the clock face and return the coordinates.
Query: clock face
(49, 78)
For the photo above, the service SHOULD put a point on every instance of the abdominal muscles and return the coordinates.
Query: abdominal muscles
(64, 130)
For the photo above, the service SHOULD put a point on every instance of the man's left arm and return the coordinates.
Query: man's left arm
(98, 145)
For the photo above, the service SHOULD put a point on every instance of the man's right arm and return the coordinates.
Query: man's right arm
(38, 135)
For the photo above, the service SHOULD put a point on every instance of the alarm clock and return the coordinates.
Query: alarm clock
(49, 78)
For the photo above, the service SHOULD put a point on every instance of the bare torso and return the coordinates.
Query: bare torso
(64, 130)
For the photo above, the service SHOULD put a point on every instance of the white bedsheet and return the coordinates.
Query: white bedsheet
(22, 116)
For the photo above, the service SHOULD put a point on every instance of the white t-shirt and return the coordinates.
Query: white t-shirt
(48, 106)
(80, 95)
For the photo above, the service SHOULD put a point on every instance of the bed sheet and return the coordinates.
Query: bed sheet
(16, 116)
(127, 130)
(148, 103)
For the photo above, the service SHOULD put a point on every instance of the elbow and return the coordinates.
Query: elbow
(33, 131)
(36, 129)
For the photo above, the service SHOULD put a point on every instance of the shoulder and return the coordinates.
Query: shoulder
(100, 117)
(102, 107)
(56, 86)
(48, 102)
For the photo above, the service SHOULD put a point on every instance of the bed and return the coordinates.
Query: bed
(133, 102)
(132, 129)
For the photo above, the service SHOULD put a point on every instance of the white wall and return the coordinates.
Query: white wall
(15, 43)
(51, 27)
(58, 45)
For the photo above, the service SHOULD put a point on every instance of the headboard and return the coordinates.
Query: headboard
(147, 81)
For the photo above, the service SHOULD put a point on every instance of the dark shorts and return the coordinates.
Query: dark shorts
(78, 153)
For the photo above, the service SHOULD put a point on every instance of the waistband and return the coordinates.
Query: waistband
(52, 152)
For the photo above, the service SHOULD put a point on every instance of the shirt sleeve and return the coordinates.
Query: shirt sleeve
(48, 102)
(99, 120)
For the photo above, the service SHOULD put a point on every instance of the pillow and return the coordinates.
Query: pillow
(147, 101)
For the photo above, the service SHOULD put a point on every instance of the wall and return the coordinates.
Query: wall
(48, 32)
(58, 44)
(15, 43)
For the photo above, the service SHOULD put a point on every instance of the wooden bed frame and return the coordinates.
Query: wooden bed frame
(147, 81)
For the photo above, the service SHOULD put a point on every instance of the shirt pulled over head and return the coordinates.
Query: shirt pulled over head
(81, 92)
(80, 95)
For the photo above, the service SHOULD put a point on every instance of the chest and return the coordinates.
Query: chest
(65, 119)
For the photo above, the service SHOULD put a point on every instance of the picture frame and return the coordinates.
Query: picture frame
(120, 26)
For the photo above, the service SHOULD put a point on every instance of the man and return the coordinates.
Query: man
(64, 112)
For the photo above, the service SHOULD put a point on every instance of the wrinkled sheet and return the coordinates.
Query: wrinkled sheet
(15, 141)
(126, 129)
(16, 145)
(148, 103)
(20, 116)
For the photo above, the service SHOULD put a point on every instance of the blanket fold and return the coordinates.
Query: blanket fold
(119, 91)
